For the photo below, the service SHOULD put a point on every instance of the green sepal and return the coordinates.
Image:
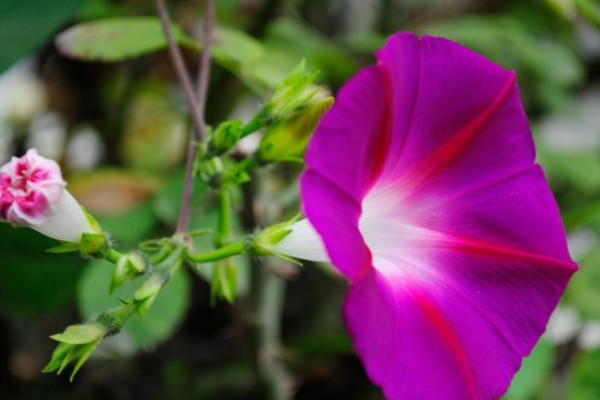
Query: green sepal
(294, 92)
(81, 334)
(92, 243)
(200, 232)
(64, 247)
(65, 354)
(224, 282)
(263, 243)
(84, 354)
(127, 268)
(288, 139)
(145, 295)
(59, 354)
(93, 222)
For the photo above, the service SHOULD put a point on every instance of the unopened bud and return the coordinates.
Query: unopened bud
(33, 194)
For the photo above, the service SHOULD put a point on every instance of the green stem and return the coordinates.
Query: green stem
(115, 319)
(111, 255)
(224, 223)
(227, 251)
(257, 123)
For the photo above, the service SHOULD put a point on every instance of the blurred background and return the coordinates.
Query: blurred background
(119, 131)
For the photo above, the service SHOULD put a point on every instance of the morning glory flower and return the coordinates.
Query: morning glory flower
(423, 191)
(33, 194)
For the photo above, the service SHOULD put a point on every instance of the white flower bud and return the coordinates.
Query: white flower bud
(33, 194)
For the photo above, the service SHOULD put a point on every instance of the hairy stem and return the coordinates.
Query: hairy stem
(199, 131)
(111, 255)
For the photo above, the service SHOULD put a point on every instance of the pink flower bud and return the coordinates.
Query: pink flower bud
(33, 194)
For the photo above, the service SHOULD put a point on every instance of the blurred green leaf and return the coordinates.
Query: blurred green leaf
(321, 345)
(547, 67)
(584, 384)
(25, 25)
(585, 214)
(155, 133)
(167, 201)
(579, 170)
(32, 281)
(167, 311)
(118, 39)
(583, 290)
(534, 370)
(131, 226)
(239, 53)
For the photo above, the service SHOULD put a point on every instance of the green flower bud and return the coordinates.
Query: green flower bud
(224, 282)
(145, 295)
(288, 139)
(226, 136)
(128, 267)
(294, 92)
(78, 342)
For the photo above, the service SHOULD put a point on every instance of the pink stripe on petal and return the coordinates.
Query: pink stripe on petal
(453, 148)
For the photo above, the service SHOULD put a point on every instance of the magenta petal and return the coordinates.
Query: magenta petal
(338, 229)
(423, 185)
(438, 90)
(459, 336)
(343, 158)
(348, 148)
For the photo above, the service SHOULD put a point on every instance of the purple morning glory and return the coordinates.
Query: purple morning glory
(423, 188)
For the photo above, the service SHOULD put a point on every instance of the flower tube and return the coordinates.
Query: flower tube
(423, 188)
(33, 194)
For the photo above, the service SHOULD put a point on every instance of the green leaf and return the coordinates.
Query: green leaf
(166, 313)
(25, 25)
(534, 370)
(583, 290)
(167, 202)
(155, 132)
(118, 39)
(547, 68)
(239, 53)
(584, 383)
(288, 41)
(32, 281)
(132, 225)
